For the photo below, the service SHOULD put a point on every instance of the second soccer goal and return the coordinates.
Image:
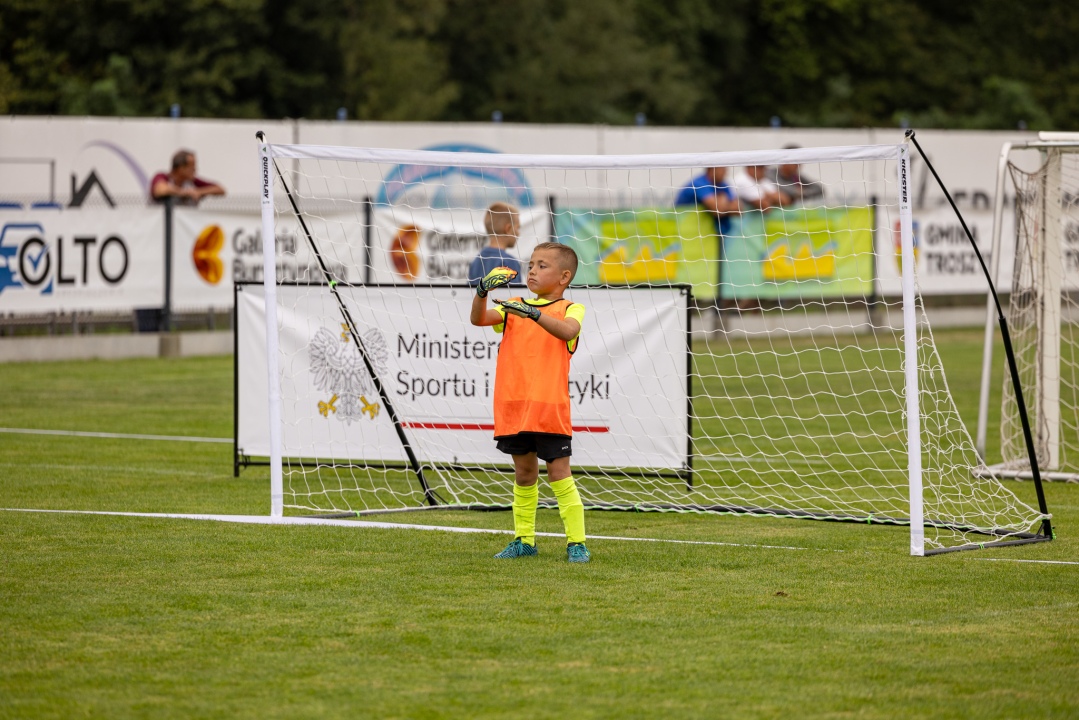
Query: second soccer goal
(1041, 179)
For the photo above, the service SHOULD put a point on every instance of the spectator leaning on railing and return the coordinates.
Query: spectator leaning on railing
(796, 187)
(756, 191)
(181, 183)
(710, 192)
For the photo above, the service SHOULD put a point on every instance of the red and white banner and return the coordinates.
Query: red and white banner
(628, 380)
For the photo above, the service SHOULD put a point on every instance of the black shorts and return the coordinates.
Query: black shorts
(547, 446)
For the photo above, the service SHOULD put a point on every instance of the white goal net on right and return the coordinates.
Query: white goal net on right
(1043, 310)
(812, 397)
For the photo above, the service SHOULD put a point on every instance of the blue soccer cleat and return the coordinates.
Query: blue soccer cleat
(517, 549)
(578, 553)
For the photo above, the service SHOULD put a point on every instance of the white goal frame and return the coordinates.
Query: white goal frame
(1045, 396)
(913, 319)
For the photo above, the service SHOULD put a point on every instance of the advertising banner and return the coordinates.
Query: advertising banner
(627, 384)
(642, 246)
(799, 253)
(68, 260)
(213, 249)
(946, 264)
(438, 245)
(72, 260)
(209, 251)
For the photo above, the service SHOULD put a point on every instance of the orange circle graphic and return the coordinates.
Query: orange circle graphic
(206, 254)
(405, 252)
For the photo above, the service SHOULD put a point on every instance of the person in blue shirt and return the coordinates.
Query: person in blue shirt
(503, 223)
(710, 192)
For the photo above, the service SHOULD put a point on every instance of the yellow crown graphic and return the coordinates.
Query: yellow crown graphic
(781, 265)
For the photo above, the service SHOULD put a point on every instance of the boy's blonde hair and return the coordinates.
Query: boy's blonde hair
(567, 258)
(499, 215)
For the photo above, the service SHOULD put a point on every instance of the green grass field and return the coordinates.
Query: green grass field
(105, 616)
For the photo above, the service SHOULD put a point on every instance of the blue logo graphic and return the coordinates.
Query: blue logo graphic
(24, 257)
(442, 187)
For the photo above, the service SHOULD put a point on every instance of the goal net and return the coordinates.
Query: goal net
(754, 371)
(1043, 309)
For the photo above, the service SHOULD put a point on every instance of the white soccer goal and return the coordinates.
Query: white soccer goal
(760, 374)
(1043, 311)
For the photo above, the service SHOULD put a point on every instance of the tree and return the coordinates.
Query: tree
(965, 63)
(394, 65)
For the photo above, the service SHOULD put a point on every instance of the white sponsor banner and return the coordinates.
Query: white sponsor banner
(113, 260)
(627, 385)
(72, 260)
(209, 251)
(437, 246)
(214, 249)
(946, 261)
(1069, 221)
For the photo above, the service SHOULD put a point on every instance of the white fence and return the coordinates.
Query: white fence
(76, 232)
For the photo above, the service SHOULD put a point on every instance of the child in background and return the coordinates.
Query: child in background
(503, 223)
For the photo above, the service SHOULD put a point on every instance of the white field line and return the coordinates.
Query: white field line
(166, 472)
(1018, 560)
(120, 436)
(335, 522)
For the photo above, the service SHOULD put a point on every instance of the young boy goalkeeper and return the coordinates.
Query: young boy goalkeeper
(532, 405)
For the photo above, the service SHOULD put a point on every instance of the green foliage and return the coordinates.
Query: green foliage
(113, 94)
(844, 63)
(1001, 103)
(394, 65)
(7, 88)
(556, 61)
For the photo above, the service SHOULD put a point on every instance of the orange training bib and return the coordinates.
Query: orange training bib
(532, 377)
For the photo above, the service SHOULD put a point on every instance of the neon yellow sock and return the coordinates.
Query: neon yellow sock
(570, 508)
(525, 500)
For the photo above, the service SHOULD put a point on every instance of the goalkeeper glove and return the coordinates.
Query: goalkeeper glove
(495, 279)
(520, 309)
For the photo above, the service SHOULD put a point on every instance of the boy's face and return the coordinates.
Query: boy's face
(545, 274)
